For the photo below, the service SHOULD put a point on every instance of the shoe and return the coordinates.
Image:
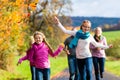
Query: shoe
(101, 75)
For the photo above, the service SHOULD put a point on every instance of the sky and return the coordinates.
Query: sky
(99, 8)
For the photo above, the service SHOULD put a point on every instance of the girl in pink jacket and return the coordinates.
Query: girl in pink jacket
(39, 56)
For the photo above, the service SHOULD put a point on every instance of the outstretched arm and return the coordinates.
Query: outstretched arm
(57, 22)
(99, 45)
(59, 49)
(22, 59)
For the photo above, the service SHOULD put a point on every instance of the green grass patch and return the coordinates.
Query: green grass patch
(113, 67)
(58, 64)
(111, 35)
(22, 72)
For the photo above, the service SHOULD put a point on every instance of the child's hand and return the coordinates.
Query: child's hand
(19, 62)
(56, 20)
(67, 51)
(62, 45)
(98, 49)
(110, 46)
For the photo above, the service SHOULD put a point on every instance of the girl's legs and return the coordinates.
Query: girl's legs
(96, 68)
(88, 64)
(81, 68)
(43, 74)
(102, 64)
(77, 75)
(32, 68)
(72, 68)
(46, 74)
(39, 74)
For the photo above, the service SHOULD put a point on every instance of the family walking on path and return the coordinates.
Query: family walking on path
(78, 47)
(81, 41)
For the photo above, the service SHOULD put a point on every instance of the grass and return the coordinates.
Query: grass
(22, 72)
(113, 66)
(58, 64)
(111, 35)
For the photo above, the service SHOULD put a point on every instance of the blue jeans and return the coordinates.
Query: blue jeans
(85, 68)
(98, 67)
(73, 68)
(32, 68)
(43, 74)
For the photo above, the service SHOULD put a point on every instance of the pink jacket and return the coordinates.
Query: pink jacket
(40, 53)
(27, 57)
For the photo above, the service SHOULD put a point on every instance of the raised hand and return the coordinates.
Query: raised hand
(56, 20)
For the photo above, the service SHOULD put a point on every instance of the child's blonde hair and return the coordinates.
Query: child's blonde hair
(31, 41)
(44, 39)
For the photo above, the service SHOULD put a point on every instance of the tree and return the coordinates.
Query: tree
(19, 18)
(12, 35)
(41, 17)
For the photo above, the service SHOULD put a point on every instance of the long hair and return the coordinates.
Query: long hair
(31, 41)
(44, 39)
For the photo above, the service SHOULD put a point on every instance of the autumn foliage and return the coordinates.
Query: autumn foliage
(13, 28)
(19, 19)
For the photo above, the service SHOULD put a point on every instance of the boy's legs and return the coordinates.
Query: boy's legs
(71, 64)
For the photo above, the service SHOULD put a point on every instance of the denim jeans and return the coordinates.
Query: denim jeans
(98, 67)
(43, 74)
(73, 68)
(32, 68)
(85, 68)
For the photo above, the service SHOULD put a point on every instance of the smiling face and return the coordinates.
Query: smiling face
(86, 25)
(38, 38)
(98, 31)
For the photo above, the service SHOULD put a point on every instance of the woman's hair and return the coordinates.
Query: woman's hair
(98, 38)
(44, 39)
(85, 22)
(98, 28)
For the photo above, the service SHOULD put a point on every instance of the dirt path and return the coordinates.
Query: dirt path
(64, 75)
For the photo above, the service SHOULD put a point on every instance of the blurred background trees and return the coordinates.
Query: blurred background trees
(19, 19)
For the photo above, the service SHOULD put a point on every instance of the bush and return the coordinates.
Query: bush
(115, 51)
